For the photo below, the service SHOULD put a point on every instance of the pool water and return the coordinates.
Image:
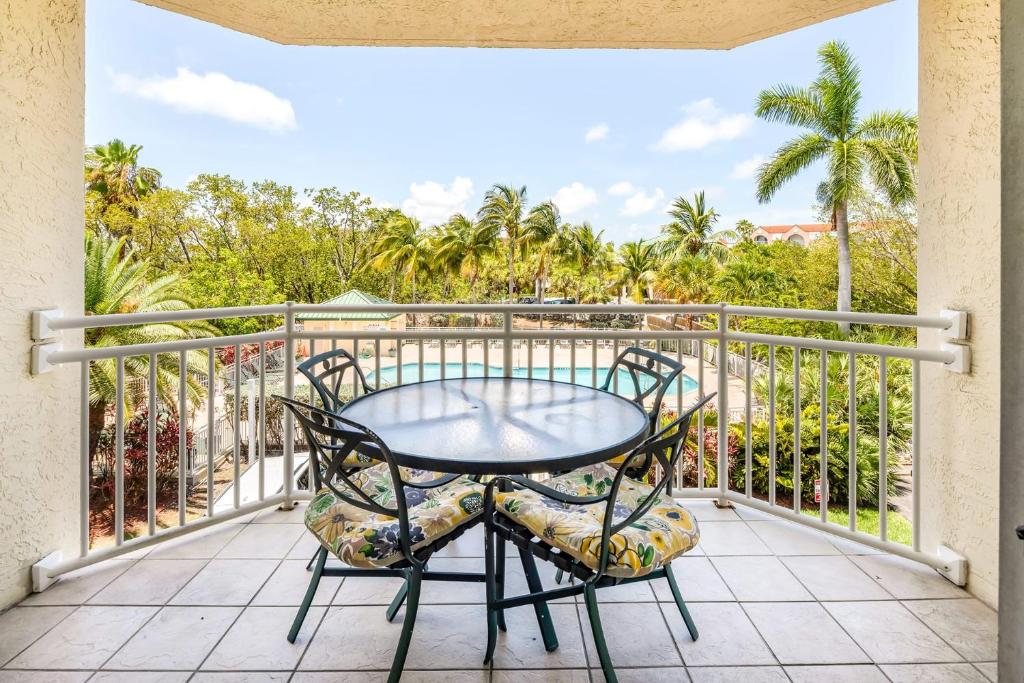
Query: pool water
(584, 375)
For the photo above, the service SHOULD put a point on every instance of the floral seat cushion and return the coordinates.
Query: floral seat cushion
(666, 531)
(365, 539)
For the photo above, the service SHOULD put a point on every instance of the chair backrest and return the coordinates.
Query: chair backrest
(665, 446)
(326, 373)
(331, 439)
(650, 373)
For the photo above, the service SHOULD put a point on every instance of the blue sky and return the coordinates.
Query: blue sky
(612, 135)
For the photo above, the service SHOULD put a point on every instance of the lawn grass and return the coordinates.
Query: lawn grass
(899, 527)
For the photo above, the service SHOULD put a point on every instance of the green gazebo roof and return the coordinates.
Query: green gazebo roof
(352, 296)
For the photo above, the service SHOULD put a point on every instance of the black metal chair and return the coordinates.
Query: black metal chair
(377, 520)
(605, 531)
(650, 373)
(326, 374)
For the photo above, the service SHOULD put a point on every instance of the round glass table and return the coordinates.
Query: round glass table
(500, 425)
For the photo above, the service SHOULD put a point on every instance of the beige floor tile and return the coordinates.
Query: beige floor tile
(759, 578)
(521, 646)
(989, 669)
(545, 676)
(141, 677)
(970, 626)
(85, 639)
(788, 538)
(256, 641)
(78, 586)
(707, 511)
(241, 677)
(287, 586)
(635, 632)
(889, 633)
(305, 547)
(751, 514)
(21, 626)
(727, 637)
(368, 590)
(408, 676)
(857, 673)
(698, 581)
(274, 516)
(848, 547)
(226, 582)
(44, 676)
(640, 591)
(671, 674)
(834, 578)
(203, 544)
(730, 538)
(262, 541)
(906, 579)
(176, 638)
(803, 633)
(148, 582)
(737, 674)
(932, 673)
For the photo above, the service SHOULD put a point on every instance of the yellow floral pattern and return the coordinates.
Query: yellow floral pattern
(665, 532)
(365, 539)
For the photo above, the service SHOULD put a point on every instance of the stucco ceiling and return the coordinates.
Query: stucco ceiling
(716, 24)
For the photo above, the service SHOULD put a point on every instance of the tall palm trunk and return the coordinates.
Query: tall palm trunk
(845, 296)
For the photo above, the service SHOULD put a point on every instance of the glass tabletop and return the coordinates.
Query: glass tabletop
(500, 425)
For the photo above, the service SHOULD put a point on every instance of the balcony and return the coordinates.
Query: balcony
(777, 583)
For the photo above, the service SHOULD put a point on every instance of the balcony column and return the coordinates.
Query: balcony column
(959, 267)
(41, 261)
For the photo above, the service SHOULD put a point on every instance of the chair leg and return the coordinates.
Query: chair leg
(396, 602)
(314, 581)
(558, 575)
(533, 582)
(414, 579)
(309, 565)
(499, 560)
(685, 613)
(590, 596)
(491, 588)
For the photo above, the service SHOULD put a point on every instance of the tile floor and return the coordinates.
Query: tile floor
(773, 601)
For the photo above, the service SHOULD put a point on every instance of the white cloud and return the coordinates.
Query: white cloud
(433, 203)
(747, 168)
(640, 202)
(574, 197)
(598, 132)
(623, 187)
(704, 124)
(213, 93)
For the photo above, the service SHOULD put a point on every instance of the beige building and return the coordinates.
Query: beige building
(971, 242)
(796, 233)
(354, 322)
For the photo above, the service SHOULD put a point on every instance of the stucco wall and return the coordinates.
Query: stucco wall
(959, 267)
(41, 255)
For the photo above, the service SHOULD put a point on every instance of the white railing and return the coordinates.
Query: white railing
(577, 354)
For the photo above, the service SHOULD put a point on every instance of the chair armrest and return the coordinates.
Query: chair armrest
(561, 497)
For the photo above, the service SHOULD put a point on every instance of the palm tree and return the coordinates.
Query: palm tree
(692, 232)
(503, 210)
(742, 282)
(404, 246)
(745, 231)
(113, 171)
(543, 233)
(116, 282)
(582, 249)
(464, 245)
(882, 147)
(687, 279)
(638, 263)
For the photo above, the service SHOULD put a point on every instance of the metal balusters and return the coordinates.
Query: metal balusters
(915, 455)
(84, 474)
(487, 357)
(700, 415)
(236, 422)
(182, 435)
(593, 364)
(851, 460)
(151, 448)
(312, 389)
(444, 343)
(771, 425)
(797, 489)
(355, 375)
(722, 470)
(119, 454)
(262, 455)
(615, 373)
(823, 435)
(529, 358)
(376, 363)
(883, 448)
(211, 426)
(398, 361)
(748, 490)
(465, 358)
(572, 359)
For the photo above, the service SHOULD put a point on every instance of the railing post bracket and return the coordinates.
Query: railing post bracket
(42, 570)
(41, 320)
(41, 357)
(956, 565)
(957, 330)
(961, 358)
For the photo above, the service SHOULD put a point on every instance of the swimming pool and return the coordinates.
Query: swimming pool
(584, 375)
